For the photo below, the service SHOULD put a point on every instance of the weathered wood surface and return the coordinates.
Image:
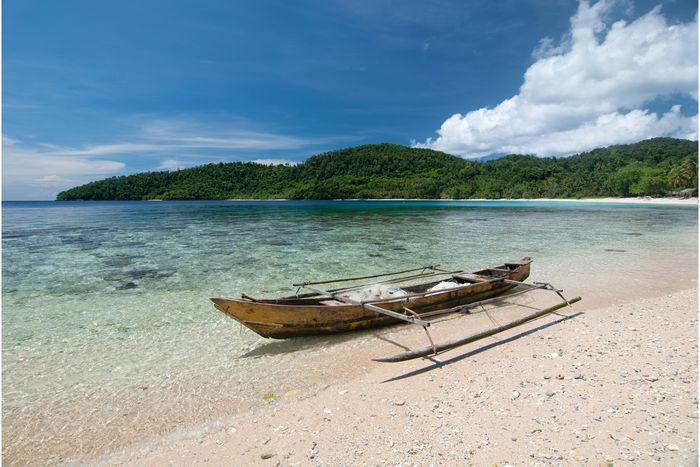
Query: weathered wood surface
(472, 277)
(304, 316)
(451, 344)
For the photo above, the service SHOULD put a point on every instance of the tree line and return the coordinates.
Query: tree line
(652, 167)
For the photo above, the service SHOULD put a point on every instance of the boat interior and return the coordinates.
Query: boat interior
(500, 272)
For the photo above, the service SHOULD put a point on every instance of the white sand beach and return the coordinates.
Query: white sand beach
(613, 385)
(634, 200)
(631, 200)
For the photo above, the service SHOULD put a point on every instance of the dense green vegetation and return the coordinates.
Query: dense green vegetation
(651, 167)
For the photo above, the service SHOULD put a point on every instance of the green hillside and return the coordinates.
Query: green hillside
(651, 167)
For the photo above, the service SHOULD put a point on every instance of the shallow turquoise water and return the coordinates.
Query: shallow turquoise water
(84, 270)
(103, 297)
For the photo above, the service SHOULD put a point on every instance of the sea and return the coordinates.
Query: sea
(109, 339)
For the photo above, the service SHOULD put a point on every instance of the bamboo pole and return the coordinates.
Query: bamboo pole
(468, 306)
(526, 284)
(302, 284)
(397, 280)
(393, 314)
(425, 328)
(388, 281)
(424, 351)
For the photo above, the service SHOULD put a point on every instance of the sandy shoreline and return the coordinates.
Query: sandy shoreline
(637, 200)
(634, 200)
(613, 384)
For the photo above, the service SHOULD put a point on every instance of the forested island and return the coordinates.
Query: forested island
(652, 167)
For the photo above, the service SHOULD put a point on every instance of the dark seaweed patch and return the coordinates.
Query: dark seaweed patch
(118, 261)
(219, 233)
(80, 241)
(279, 242)
(14, 235)
(135, 274)
(28, 233)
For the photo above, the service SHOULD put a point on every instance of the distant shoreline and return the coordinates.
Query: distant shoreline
(634, 200)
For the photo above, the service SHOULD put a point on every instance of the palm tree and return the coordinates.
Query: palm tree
(683, 174)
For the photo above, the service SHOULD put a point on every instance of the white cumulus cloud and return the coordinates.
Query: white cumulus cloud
(588, 90)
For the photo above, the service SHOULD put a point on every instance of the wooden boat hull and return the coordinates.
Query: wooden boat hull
(280, 319)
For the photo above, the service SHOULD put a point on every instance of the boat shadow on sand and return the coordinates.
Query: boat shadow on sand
(275, 347)
(440, 363)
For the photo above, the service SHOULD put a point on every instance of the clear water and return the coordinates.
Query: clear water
(109, 337)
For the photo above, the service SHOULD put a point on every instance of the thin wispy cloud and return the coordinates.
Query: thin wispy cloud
(38, 170)
(190, 133)
(32, 173)
(589, 89)
(169, 135)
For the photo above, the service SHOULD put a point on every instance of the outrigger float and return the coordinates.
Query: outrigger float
(335, 310)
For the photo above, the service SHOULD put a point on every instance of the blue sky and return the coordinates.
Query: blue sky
(94, 89)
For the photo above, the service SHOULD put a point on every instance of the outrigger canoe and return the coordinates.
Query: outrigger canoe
(326, 311)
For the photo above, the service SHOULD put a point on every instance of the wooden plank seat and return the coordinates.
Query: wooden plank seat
(499, 271)
(472, 277)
